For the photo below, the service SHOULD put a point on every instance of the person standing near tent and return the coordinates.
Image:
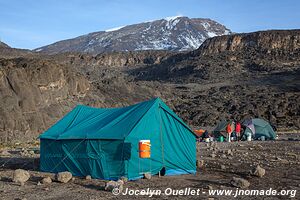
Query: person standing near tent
(232, 129)
(229, 131)
(238, 130)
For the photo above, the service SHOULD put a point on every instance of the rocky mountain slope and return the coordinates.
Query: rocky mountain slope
(257, 75)
(237, 76)
(8, 52)
(173, 33)
(2, 44)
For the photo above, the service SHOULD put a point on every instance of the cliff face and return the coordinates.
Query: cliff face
(269, 42)
(33, 94)
(122, 59)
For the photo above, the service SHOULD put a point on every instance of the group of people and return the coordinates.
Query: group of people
(233, 130)
(234, 127)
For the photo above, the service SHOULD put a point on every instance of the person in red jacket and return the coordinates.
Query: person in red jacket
(238, 130)
(229, 131)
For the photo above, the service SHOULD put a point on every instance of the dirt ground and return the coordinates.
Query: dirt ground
(222, 162)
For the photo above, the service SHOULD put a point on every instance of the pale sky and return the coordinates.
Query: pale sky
(34, 23)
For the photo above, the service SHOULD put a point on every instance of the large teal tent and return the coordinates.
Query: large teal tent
(103, 142)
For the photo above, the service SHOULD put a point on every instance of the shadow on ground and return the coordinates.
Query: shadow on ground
(19, 163)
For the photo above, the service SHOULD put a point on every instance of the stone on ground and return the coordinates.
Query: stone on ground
(5, 153)
(223, 156)
(200, 163)
(31, 152)
(223, 167)
(110, 185)
(63, 177)
(259, 171)
(47, 180)
(124, 179)
(88, 177)
(147, 176)
(20, 176)
(240, 182)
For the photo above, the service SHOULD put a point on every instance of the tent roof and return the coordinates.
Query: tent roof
(221, 127)
(85, 122)
(256, 121)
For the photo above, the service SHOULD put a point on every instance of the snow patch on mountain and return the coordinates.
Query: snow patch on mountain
(172, 18)
(205, 25)
(211, 34)
(114, 29)
(172, 23)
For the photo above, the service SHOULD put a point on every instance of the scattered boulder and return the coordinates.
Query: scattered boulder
(258, 171)
(213, 155)
(200, 163)
(284, 161)
(20, 176)
(147, 176)
(5, 153)
(38, 183)
(124, 179)
(31, 152)
(88, 177)
(223, 156)
(47, 180)
(63, 177)
(223, 167)
(240, 182)
(230, 152)
(110, 185)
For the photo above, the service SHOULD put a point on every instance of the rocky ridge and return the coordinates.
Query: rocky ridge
(202, 86)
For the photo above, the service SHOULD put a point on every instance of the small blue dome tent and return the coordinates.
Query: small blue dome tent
(259, 127)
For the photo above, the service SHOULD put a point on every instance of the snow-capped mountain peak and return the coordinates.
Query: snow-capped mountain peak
(177, 33)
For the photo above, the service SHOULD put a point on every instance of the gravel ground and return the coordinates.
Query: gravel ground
(222, 162)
